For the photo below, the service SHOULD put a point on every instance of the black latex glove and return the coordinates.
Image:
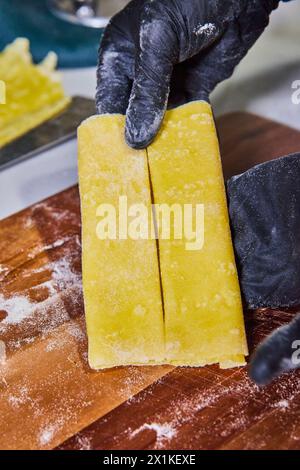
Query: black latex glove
(279, 353)
(168, 52)
(264, 207)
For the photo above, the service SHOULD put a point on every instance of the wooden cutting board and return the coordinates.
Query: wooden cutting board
(50, 397)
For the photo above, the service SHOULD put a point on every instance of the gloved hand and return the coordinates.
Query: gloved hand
(277, 354)
(159, 53)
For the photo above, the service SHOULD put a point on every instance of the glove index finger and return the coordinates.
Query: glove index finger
(154, 65)
(147, 106)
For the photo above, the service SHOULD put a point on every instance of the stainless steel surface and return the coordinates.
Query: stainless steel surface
(49, 134)
(91, 13)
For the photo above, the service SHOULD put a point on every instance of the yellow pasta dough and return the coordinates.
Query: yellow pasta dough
(34, 93)
(202, 303)
(120, 277)
(189, 313)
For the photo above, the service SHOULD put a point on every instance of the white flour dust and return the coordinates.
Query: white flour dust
(163, 431)
(207, 29)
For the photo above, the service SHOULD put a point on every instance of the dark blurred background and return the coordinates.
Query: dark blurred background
(71, 28)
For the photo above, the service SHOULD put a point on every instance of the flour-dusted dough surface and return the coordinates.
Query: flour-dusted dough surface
(203, 321)
(120, 277)
(203, 310)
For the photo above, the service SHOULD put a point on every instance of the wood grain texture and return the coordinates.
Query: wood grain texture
(247, 140)
(205, 408)
(49, 394)
(48, 391)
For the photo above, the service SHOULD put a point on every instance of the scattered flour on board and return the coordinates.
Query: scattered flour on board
(66, 414)
(63, 275)
(2, 352)
(227, 422)
(181, 412)
(20, 398)
(83, 442)
(47, 435)
(163, 431)
(3, 269)
(56, 244)
(283, 404)
(17, 307)
(20, 307)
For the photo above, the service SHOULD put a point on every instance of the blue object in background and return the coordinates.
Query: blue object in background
(75, 45)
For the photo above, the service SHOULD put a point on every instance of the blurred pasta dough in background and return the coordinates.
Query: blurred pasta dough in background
(34, 93)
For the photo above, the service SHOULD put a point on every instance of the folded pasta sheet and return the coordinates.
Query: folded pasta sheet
(120, 274)
(176, 301)
(34, 93)
(202, 302)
